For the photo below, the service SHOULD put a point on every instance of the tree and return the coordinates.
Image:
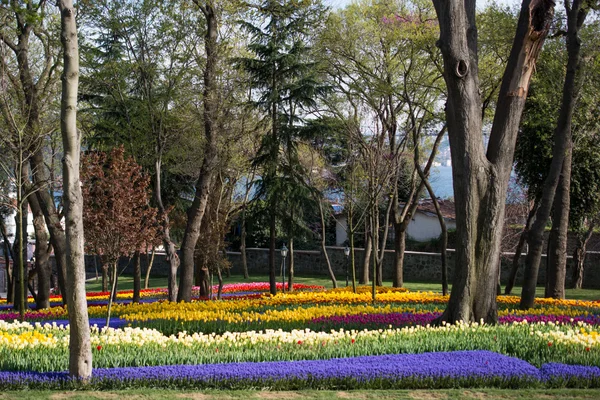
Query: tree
(80, 349)
(282, 70)
(210, 98)
(480, 177)
(28, 30)
(117, 218)
(140, 87)
(381, 58)
(534, 146)
(560, 167)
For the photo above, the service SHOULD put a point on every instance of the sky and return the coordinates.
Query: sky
(343, 3)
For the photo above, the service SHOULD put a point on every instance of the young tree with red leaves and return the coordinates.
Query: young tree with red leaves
(117, 218)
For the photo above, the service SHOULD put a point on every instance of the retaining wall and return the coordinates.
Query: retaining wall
(418, 267)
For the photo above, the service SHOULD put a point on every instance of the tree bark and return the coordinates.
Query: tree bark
(512, 279)
(272, 242)
(562, 137)
(149, 268)
(243, 246)
(80, 350)
(557, 256)
(42, 255)
(323, 245)
(579, 257)
(20, 260)
(53, 223)
(8, 255)
(137, 277)
(112, 297)
(32, 93)
(290, 279)
(399, 249)
(105, 279)
(198, 208)
(480, 178)
(364, 280)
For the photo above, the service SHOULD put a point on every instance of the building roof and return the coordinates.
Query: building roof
(446, 207)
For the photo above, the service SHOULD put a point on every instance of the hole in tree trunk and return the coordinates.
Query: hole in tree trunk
(462, 69)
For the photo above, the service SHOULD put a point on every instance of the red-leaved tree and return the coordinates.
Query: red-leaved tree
(117, 217)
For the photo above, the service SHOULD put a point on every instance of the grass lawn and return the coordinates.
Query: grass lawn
(126, 282)
(546, 394)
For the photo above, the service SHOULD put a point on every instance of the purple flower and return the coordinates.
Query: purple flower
(553, 371)
(469, 366)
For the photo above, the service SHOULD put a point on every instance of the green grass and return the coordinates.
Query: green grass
(545, 394)
(126, 283)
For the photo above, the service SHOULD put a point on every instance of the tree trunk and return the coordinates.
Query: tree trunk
(80, 349)
(480, 178)
(557, 258)
(290, 279)
(323, 245)
(243, 232)
(377, 265)
(272, 242)
(8, 255)
(220, 285)
(204, 285)
(20, 261)
(364, 280)
(105, 277)
(512, 279)
(114, 281)
(243, 247)
(198, 208)
(53, 220)
(149, 268)
(562, 140)
(399, 249)
(168, 244)
(579, 257)
(42, 255)
(112, 297)
(383, 245)
(137, 277)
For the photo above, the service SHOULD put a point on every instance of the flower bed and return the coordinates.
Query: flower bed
(428, 370)
(310, 340)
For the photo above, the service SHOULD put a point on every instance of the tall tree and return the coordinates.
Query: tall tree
(480, 177)
(80, 348)
(29, 31)
(203, 185)
(533, 156)
(381, 57)
(139, 84)
(560, 168)
(282, 71)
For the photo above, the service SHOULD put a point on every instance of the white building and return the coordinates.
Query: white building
(423, 227)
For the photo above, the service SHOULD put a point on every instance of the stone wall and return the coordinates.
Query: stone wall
(418, 267)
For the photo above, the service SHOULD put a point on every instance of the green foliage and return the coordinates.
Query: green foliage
(137, 83)
(533, 153)
(496, 29)
(282, 69)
